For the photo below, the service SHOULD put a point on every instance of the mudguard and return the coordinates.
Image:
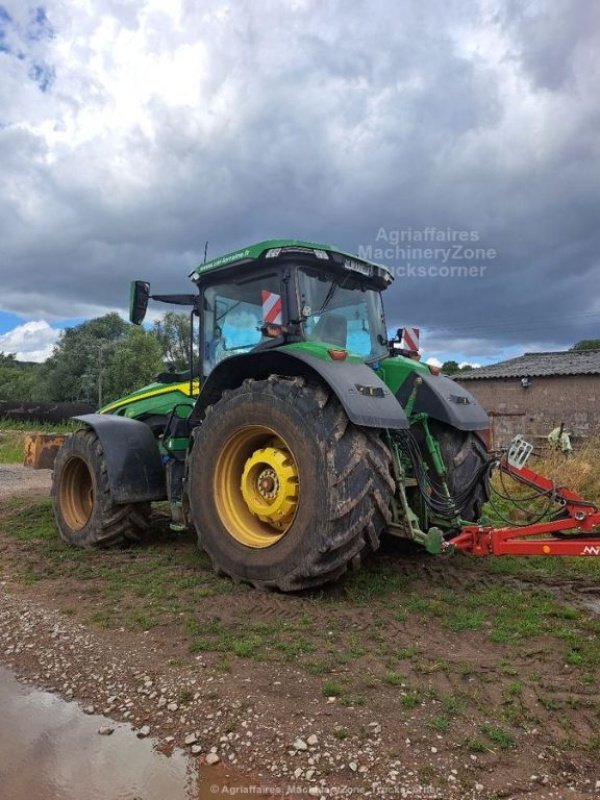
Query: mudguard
(135, 471)
(364, 396)
(446, 401)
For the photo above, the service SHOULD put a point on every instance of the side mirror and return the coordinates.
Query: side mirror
(139, 293)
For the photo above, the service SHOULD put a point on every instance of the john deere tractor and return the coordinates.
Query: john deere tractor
(299, 436)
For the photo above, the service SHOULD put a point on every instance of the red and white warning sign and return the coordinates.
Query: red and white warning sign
(271, 308)
(410, 339)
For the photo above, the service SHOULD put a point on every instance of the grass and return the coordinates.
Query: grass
(475, 745)
(37, 427)
(12, 436)
(411, 699)
(393, 678)
(332, 689)
(580, 473)
(181, 578)
(452, 704)
(363, 641)
(440, 723)
(407, 652)
(498, 736)
(11, 447)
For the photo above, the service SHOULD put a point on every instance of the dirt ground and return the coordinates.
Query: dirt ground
(18, 480)
(417, 677)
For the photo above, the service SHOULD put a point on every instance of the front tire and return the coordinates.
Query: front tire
(285, 492)
(85, 513)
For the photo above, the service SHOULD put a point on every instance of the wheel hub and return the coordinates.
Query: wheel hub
(256, 486)
(269, 485)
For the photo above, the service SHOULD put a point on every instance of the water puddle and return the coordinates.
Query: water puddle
(51, 750)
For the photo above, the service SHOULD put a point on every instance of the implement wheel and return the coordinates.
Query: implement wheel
(285, 492)
(83, 508)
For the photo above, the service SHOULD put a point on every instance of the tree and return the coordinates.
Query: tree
(450, 367)
(134, 360)
(18, 381)
(72, 371)
(587, 344)
(173, 333)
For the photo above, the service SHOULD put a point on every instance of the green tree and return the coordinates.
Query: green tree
(72, 371)
(18, 381)
(450, 367)
(173, 333)
(134, 360)
(587, 344)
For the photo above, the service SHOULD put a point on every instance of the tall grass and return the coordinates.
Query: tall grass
(579, 472)
(28, 426)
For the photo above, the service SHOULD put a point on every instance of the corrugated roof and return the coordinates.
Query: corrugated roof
(564, 362)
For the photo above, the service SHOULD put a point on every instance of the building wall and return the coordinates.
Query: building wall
(549, 401)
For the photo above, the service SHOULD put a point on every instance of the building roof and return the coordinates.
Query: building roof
(530, 365)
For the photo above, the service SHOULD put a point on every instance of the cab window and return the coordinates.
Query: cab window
(236, 316)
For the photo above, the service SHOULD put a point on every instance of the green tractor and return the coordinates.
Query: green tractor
(299, 436)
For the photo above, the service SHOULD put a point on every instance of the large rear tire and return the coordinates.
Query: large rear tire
(85, 513)
(465, 457)
(285, 492)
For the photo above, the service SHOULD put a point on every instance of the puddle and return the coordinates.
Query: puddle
(51, 750)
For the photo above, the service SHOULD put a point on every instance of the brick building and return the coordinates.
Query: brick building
(536, 392)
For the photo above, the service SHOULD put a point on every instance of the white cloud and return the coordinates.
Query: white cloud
(131, 131)
(32, 341)
(475, 365)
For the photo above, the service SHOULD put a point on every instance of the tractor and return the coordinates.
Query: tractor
(299, 436)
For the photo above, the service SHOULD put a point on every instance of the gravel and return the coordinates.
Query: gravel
(15, 478)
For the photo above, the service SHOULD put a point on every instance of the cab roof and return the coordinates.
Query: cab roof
(276, 248)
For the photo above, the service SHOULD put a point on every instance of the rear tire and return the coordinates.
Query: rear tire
(464, 455)
(85, 513)
(286, 432)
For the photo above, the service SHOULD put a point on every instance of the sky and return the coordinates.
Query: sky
(456, 141)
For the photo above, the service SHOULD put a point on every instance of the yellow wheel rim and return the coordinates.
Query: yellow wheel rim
(256, 487)
(76, 493)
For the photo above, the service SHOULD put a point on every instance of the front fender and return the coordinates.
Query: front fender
(135, 471)
(364, 396)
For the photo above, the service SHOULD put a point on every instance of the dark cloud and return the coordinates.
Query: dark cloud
(311, 120)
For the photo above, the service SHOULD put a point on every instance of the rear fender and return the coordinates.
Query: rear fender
(364, 396)
(135, 471)
(446, 401)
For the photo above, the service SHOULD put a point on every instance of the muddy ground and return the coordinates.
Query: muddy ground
(417, 677)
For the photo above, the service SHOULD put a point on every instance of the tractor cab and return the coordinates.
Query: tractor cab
(282, 292)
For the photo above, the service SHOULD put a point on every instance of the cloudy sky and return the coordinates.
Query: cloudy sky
(131, 131)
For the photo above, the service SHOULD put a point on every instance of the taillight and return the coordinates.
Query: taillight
(338, 355)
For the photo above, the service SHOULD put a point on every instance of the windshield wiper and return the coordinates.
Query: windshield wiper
(328, 298)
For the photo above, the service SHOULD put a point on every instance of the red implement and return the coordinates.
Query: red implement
(579, 516)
